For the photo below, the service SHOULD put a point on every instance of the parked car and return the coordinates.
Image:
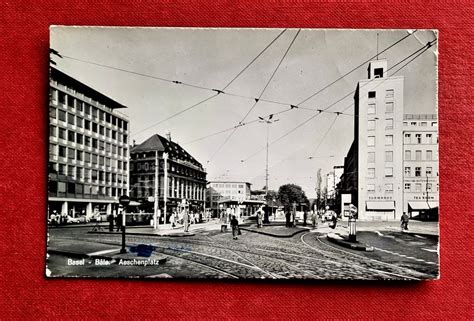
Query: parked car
(71, 219)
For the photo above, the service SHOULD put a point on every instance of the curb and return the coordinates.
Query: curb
(142, 234)
(430, 236)
(275, 235)
(87, 256)
(354, 246)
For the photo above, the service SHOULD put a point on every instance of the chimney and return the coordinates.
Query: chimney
(168, 135)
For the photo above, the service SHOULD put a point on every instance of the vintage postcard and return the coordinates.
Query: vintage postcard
(243, 153)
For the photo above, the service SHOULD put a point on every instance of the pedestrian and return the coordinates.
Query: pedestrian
(118, 222)
(260, 217)
(186, 220)
(404, 219)
(110, 218)
(305, 217)
(288, 218)
(333, 221)
(173, 220)
(52, 218)
(234, 223)
(223, 221)
(63, 218)
(314, 219)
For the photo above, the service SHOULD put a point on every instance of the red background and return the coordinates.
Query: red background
(23, 96)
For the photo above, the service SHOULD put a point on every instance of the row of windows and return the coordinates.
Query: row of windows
(388, 156)
(371, 124)
(418, 187)
(87, 141)
(418, 139)
(388, 188)
(75, 104)
(221, 185)
(89, 175)
(372, 108)
(180, 170)
(389, 93)
(388, 140)
(84, 189)
(86, 157)
(418, 171)
(88, 125)
(422, 123)
(418, 155)
(388, 172)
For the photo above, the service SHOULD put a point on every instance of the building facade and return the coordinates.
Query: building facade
(88, 149)
(378, 122)
(420, 165)
(180, 176)
(332, 179)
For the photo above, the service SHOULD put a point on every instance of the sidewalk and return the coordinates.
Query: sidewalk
(91, 250)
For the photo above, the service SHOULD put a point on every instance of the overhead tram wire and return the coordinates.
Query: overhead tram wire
(216, 90)
(181, 83)
(417, 53)
(256, 99)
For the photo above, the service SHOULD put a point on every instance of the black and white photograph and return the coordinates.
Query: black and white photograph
(240, 153)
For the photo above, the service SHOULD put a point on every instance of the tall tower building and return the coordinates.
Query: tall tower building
(378, 137)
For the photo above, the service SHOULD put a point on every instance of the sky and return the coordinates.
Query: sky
(211, 58)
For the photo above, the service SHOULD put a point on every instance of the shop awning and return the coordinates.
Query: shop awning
(381, 206)
(133, 203)
(419, 206)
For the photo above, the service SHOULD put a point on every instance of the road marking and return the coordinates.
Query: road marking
(420, 237)
(430, 250)
(405, 256)
(103, 252)
(389, 236)
(380, 234)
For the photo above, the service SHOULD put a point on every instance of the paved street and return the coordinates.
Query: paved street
(211, 254)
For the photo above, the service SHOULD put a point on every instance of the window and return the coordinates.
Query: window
(371, 94)
(62, 170)
(87, 124)
(378, 72)
(101, 160)
(371, 124)
(389, 188)
(423, 123)
(79, 121)
(389, 93)
(101, 130)
(94, 127)
(71, 171)
(52, 149)
(428, 187)
(94, 159)
(418, 155)
(94, 143)
(389, 107)
(418, 138)
(388, 156)
(389, 123)
(107, 117)
(87, 157)
(371, 109)
(407, 186)
(62, 151)
(87, 141)
(413, 123)
(52, 112)
(417, 171)
(388, 140)
(70, 118)
(429, 155)
(371, 157)
(114, 134)
(429, 138)
(79, 173)
(61, 115)
(79, 139)
(434, 123)
(429, 171)
(418, 187)
(62, 97)
(407, 139)
(94, 175)
(71, 136)
(388, 172)
(107, 132)
(70, 101)
(371, 141)
(407, 171)
(101, 145)
(94, 112)
(101, 115)
(371, 188)
(87, 109)
(71, 153)
(52, 131)
(79, 155)
(125, 137)
(371, 172)
(79, 105)
(62, 187)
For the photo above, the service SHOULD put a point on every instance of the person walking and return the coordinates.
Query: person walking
(314, 219)
(186, 220)
(110, 218)
(288, 218)
(234, 223)
(118, 222)
(404, 219)
(260, 217)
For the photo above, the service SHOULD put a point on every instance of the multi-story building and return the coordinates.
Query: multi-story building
(378, 142)
(88, 149)
(183, 175)
(332, 179)
(420, 165)
(231, 190)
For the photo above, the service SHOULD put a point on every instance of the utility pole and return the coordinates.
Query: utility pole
(268, 121)
(156, 209)
(165, 183)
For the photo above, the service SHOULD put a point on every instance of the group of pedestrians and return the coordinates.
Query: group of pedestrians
(117, 219)
(227, 218)
(56, 219)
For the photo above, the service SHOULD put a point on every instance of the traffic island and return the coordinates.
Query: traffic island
(344, 241)
(275, 231)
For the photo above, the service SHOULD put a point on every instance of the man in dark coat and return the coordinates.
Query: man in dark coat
(118, 222)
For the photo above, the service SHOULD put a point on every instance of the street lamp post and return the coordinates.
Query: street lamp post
(268, 121)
